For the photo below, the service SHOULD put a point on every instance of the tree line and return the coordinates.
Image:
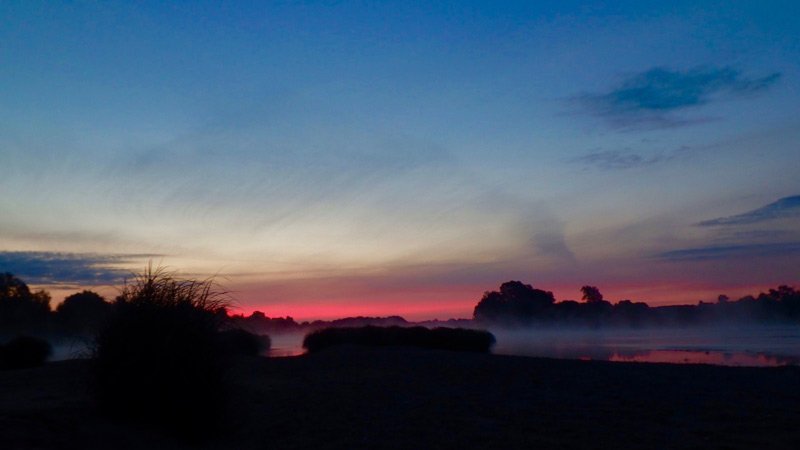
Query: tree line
(23, 310)
(517, 303)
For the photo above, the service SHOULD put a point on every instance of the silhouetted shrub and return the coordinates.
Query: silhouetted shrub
(242, 342)
(24, 351)
(83, 312)
(459, 339)
(515, 301)
(22, 311)
(159, 358)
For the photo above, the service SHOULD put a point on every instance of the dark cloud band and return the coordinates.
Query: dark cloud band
(732, 251)
(653, 97)
(786, 207)
(67, 268)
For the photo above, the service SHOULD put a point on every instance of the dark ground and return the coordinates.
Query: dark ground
(420, 399)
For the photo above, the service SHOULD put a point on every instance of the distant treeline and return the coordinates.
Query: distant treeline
(25, 311)
(83, 314)
(260, 323)
(158, 312)
(517, 303)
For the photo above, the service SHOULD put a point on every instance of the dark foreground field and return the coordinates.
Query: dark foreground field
(418, 399)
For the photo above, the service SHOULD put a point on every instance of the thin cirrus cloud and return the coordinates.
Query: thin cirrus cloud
(656, 97)
(787, 207)
(617, 160)
(68, 268)
(779, 242)
(718, 252)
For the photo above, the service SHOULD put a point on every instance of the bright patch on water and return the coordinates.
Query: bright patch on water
(284, 345)
(728, 346)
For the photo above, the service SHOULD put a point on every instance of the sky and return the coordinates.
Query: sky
(328, 159)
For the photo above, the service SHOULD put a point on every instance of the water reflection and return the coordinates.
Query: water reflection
(729, 346)
(283, 352)
(286, 344)
(707, 357)
(761, 346)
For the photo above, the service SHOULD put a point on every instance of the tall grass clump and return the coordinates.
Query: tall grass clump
(457, 339)
(159, 356)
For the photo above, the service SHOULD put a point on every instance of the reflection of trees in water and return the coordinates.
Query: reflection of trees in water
(755, 359)
(754, 346)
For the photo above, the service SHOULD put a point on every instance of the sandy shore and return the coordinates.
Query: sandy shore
(360, 398)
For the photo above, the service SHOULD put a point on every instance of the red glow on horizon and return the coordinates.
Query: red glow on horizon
(333, 299)
(321, 311)
(458, 302)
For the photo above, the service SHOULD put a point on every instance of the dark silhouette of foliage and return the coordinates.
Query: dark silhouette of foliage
(260, 323)
(21, 309)
(243, 342)
(781, 305)
(591, 294)
(159, 358)
(24, 351)
(362, 321)
(515, 301)
(83, 313)
(458, 339)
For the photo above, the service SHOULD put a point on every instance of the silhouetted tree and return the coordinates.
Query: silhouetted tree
(21, 309)
(515, 301)
(519, 303)
(591, 294)
(631, 313)
(83, 312)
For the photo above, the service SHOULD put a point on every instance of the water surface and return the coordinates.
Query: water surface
(730, 346)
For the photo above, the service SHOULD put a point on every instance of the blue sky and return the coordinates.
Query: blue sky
(399, 156)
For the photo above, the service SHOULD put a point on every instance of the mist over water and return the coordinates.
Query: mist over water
(740, 345)
(286, 344)
(743, 345)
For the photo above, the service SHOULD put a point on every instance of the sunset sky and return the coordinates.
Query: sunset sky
(327, 159)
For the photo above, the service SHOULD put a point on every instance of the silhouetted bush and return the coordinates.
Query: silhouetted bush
(24, 351)
(515, 301)
(22, 311)
(242, 342)
(159, 358)
(459, 339)
(82, 313)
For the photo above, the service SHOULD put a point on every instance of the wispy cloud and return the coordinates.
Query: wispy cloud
(654, 98)
(786, 207)
(549, 241)
(616, 159)
(731, 251)
(67, 268)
